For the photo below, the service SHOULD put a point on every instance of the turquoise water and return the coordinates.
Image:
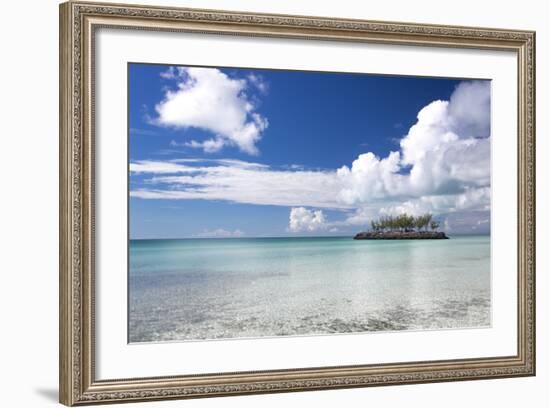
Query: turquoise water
(194, 289)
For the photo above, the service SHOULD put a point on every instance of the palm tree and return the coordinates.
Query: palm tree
(434, 225)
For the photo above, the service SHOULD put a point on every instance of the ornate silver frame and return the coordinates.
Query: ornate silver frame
(78, 22)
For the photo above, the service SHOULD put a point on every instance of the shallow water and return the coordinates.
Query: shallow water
(195, 289)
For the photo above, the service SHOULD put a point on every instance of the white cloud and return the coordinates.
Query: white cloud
(447, 151)
(237, 181)
(302, 219)
(170, 73)
(443, 166)
(156, 167)
(259, 82)
(470, 109)
(471, 199)
(449, 146)
(208, 145)
(208, 99)
(370, 178)
(220, 233)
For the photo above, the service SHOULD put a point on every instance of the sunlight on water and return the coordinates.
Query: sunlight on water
(226, 288)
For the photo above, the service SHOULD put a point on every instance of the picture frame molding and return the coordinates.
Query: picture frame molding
(78, 23)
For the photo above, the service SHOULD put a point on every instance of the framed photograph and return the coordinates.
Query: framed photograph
(256, 203)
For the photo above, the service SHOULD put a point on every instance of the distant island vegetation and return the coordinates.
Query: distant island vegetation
(404, 226)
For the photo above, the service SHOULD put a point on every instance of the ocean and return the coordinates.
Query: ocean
(196, 289)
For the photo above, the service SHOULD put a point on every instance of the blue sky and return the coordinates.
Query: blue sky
(228, 152)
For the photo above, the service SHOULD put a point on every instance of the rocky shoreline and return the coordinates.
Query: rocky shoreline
(401, 235)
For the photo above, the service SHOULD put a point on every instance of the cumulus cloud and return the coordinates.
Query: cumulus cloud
(370, 178)
(208, 99)
(447, 151)
(442, 166)
(473, 199)
(302, 219)
(449, 146)
(470, 109)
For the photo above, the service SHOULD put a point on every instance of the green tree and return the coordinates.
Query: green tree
(423, 221)
(419, 222)
(404, 222)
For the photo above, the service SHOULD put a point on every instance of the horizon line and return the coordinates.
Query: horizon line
(280, 237)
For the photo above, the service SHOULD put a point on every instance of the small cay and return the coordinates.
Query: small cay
(402, 235)
(403, 226)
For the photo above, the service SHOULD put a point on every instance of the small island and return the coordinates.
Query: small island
(403, 226)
